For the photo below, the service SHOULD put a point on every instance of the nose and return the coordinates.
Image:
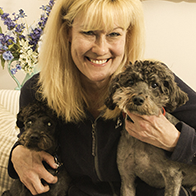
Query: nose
(34, 137)
(100, 46)
(138, 100)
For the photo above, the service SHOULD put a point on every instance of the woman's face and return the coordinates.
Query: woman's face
(97, 54)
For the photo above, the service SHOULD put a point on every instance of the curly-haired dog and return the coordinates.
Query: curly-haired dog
(145, 88)
(40, 126)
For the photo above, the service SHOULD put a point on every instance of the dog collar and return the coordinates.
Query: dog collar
(163, 111)
(124, 114)
(58, 163)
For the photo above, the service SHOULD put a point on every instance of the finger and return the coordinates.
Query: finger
(48, 177)
(49, 159)
(40, 188)
(33, 183)
(45, 174)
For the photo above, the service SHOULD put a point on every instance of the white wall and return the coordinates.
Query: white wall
(170, 34)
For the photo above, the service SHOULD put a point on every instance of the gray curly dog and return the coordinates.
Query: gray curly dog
(145, 88)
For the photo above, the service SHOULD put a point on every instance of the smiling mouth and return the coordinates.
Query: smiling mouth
(99, 62)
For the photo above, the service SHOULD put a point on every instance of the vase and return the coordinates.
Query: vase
(13, 63)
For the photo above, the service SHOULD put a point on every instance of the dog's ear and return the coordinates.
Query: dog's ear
(128, 65)
(177, 96)
(109, 103)
(109, 100)
(114, 84)
(20, 119)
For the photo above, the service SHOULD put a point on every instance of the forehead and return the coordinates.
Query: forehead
(79, 23)
(104, 18)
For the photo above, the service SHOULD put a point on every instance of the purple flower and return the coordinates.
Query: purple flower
(18, 67)
(6, 39)
(13, 71)
(3, 47)
(34, 37)
(7, 56)
(22, 14)
(10, 47)
(4, 16)
(19, 28)
(8, 21)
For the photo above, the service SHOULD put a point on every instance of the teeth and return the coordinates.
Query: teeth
(98, 61)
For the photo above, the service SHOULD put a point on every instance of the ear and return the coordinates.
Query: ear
(114, 84)
(109, 103)
(180, 97)
(128, 65)
(20, 119)
(177, 96)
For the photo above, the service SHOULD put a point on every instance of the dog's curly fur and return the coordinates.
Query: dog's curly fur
(40, 125)
(145, 88)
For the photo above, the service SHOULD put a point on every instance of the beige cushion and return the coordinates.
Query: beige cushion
(8, 133)
(10, 100)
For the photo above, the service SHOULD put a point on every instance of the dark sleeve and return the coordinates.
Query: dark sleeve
(185, 149)
(27, 95)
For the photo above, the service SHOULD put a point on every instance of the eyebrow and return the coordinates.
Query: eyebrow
(118, 28)
(82, 27)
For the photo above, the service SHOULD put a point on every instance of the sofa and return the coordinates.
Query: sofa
(9, 106)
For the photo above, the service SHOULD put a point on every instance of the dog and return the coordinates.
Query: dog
(146, 88)
(40, 124)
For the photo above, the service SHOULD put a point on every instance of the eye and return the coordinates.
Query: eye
(154, 85)
(114, 34)
(49, 124)
(29, 123)
(130, 83)
(166, 84)
(88, 32)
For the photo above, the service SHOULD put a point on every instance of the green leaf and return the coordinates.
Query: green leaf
(2, 62)
(1, 30)
(1, 11)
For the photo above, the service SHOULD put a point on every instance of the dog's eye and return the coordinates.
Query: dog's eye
(130, 83)
(49, 124)
(29, 123)
(154, 85)
(166, 84)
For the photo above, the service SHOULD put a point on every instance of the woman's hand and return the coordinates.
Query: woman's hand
(155, 130)
(29, 167)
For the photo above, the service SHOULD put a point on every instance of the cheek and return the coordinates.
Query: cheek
(119, 48)
(79, 45)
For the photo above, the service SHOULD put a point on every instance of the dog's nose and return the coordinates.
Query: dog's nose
(138, 100)
(34, 137)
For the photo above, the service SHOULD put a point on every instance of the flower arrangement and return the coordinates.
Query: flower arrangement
(20, 41)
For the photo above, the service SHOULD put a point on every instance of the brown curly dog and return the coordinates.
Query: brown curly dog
(145, 88)
(40, 125)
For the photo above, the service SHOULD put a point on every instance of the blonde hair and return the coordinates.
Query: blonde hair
(59, 78)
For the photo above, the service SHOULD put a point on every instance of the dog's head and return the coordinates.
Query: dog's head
(145, 87)
(39, 123)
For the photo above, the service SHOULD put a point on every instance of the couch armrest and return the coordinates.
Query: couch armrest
(9, 105)
(10, 100)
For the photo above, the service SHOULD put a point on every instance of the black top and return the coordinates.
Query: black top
(88, 148)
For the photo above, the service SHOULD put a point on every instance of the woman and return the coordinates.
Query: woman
(87, 42)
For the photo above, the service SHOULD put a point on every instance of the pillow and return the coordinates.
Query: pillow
(10, 100)
(8, 136)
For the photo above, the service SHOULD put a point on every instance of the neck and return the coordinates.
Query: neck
(95, 95)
